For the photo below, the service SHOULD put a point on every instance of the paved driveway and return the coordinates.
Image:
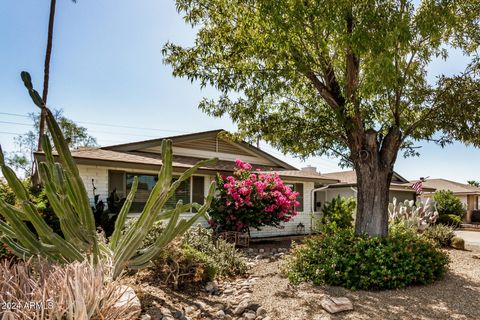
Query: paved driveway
(470, 237)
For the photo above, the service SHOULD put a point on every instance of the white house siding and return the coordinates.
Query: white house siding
(290, 228)
(99, 174)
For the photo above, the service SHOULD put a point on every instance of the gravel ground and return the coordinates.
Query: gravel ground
(457, 296)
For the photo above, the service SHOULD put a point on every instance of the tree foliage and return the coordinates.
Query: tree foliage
(474, 183)
(279, 64)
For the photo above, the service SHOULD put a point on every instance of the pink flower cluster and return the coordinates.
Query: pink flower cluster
(254, 199)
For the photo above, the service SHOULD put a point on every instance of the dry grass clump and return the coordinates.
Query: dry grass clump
(40, 290)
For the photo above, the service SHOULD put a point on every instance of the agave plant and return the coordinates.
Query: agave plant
(419, 215)
(69, 199)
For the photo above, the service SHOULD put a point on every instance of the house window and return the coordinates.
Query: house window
(298, 187)
(189, 190)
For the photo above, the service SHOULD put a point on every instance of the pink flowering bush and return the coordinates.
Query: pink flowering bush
(251, 200)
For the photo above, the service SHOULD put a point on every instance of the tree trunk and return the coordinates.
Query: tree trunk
(373, 184)
(46, 71)
(373, 157)
(46, 77)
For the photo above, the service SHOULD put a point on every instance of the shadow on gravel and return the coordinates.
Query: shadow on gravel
(454, 297)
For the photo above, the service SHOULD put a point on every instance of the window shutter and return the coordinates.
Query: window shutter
(198, 190)
(299, 188)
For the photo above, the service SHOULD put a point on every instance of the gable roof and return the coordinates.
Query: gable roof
(455, 187)
(177, 140)
(146, 160)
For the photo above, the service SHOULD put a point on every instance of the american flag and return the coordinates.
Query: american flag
(418, 186)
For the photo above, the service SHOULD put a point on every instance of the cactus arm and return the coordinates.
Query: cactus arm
(27, 81)
(22, 233)
(167, 235)
(172, 230)
(68, 219)
(16, 248)
(46, 234)
(120, 222)
(17, 187)
(77, 193)
(6, 230)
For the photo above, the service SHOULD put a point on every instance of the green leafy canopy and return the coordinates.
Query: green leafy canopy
(308, 76)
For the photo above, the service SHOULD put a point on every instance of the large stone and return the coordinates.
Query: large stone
(191, 308)
(220, 314)
(166, 311)
(128, 298)
(458, 243)
(211, 286)
(334, 305)
(241, 307)
(249, 315)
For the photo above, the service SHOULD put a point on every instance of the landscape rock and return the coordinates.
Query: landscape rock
(220, 314)
(146, 317)
(336, 304)
(128, 298)
(241, 307)
(457, 243)
(191, 309)
(261, 312)
(211, 286)
(178, 314)
(249, 315)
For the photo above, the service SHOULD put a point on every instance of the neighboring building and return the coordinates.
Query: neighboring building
(112, 168)
(400, 188)
(468, 194)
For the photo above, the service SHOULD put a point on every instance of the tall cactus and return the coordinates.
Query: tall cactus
(69, 199)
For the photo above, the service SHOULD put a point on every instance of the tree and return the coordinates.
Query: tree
(346, 78)
(75, 135)
(474, 183)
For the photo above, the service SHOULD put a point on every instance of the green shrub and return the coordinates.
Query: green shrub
(449, 220)
(338, 213)
(180, 264)
(6, 193)
(447, 203)
(361, 262)
(195, 257)
(440, 234)
(228, 260)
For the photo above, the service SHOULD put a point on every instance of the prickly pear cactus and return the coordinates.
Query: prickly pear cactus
(419, 215)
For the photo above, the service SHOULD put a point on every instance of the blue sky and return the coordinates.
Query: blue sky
(107, 69)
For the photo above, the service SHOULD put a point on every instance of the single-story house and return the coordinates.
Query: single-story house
(112, 168)
(400, 188)
(468, 194)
